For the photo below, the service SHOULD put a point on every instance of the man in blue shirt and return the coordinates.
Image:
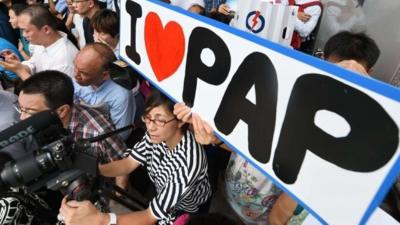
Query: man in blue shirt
(94, 87)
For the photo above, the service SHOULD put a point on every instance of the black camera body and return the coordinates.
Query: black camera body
(56, 163)
(59, 163)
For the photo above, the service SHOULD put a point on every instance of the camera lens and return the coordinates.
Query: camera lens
(26, 169)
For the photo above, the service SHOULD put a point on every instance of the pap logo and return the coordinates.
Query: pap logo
(255, 22)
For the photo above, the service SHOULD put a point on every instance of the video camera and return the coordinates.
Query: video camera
(58, 163)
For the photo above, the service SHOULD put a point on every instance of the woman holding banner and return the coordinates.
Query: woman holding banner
(254, 198)
(175, 162)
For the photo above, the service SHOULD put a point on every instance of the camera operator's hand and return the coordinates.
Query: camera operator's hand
(81, 213)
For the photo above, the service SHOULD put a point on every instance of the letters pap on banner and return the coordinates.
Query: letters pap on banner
(326, 135)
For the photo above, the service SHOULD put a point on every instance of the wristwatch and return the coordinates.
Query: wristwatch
(113, 219)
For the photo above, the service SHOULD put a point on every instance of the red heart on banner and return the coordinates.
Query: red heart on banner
(165, 46)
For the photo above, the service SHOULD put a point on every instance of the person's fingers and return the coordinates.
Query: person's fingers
(195, 122)
(7, 65)
(224, 9)
(75, 204)
(179, 107)
(199, 129)
(65, 210)
(182, 112)
(11, 57)
(64, 200)
(209, 130)
(187, 117)
(203, 131)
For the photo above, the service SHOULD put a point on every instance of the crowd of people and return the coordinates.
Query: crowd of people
(59, 56)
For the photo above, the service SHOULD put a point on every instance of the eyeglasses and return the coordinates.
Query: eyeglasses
(157, 122)
(21, 110)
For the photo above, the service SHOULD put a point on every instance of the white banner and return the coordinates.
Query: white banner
(327, 136)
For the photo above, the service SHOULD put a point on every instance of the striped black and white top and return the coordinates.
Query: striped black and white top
(180, 175)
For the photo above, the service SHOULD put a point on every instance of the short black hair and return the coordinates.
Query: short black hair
(56, 87)
(18, 8)
(155, 99)
(106, 21)
(346, 45)
(41, 16)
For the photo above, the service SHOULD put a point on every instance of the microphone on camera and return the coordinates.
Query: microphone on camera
(47, 121)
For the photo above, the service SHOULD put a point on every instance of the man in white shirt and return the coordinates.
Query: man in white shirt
(57, 52)
(86, 9)
(307, 19)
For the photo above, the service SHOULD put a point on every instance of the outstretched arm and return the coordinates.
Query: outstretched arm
(119, 168)
(84, 213)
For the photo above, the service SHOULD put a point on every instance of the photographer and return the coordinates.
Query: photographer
(176, 164)
(53, 90)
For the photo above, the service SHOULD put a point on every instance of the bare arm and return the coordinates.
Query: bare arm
(17, 67)
(21, 51)
(70, 21)
(119, 168)
(306, 22)
(282, 210)
(84, 213)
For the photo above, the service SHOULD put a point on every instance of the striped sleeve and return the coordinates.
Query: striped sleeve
(139, 150)
(187, 187)
(170, 194)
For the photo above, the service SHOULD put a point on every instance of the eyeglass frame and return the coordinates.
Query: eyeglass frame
(155, 120)
(21, 110)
